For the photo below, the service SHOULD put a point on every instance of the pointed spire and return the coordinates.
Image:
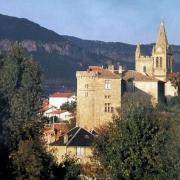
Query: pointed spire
(138, 50)
(162, 38)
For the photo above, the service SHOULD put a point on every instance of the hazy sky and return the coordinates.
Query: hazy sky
(129, 21)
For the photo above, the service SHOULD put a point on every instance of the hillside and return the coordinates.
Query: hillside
(60, 56)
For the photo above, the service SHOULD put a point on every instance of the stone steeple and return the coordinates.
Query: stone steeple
(138, 51)
(159, 64)
(162, 38)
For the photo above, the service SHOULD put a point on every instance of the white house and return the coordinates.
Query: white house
(62, 115)
(49, 110)
(58, 98)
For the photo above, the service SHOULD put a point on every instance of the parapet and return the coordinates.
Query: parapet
(144, 58)
(98, 72)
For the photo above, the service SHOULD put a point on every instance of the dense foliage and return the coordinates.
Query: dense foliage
(69, 106)
(175, 80)
(22, 151)
(139, 144)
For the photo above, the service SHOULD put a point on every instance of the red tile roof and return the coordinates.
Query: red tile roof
(59, 128)
(137, 76)
(57, 111)
(101, 72)
(62, 94)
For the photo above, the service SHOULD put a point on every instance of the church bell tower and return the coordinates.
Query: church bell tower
(162, 55)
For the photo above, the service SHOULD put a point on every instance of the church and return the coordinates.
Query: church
(99, 89)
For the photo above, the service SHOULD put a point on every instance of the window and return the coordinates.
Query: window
(157, 62)
(107, 96)
(161, 62)
(86, 94)
(107, 84)
(80, 151)
(107, 107)
(86, 85)
(144, 69)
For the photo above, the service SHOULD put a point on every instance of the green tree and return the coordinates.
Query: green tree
(68, 169)
(136, 145)
(69, 106)
(175, 80)
(22, 151)
(20, 88)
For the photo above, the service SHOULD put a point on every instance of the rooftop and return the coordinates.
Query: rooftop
(57, 111)
(100, 72)
(76, 137)
(62, 94)
(137, 76)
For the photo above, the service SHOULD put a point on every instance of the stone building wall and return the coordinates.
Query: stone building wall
(94, 98)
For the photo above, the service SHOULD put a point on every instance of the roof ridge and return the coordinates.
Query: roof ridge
(72, 129)
(89, 131)
(73, 136)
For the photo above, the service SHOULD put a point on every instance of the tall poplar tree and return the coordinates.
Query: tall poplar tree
(22, 151)
(21, 125)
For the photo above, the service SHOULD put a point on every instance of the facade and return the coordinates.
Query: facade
(57, 99)
(170, 90)
(77, 142)
(98, 96)
(134, 81)
(62, 115)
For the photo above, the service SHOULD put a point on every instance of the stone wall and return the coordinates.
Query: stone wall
(92, 96)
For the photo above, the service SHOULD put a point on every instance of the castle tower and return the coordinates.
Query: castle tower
(98, 96)
(162, 55)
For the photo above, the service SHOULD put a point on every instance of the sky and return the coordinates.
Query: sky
(128, 21)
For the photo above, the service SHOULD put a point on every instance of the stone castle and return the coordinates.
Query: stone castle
(99, 90)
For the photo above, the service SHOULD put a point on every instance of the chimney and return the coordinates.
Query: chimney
(120, 71)
(111, 68)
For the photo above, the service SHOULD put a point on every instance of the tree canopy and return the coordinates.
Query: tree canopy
(22, 151)
(137, 144)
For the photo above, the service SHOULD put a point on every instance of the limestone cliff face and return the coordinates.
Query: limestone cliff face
(61, 56)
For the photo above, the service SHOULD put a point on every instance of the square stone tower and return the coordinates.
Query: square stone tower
(98, 96)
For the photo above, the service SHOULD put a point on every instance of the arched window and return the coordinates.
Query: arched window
(157, 62)
(161, 62)
(144, 69)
